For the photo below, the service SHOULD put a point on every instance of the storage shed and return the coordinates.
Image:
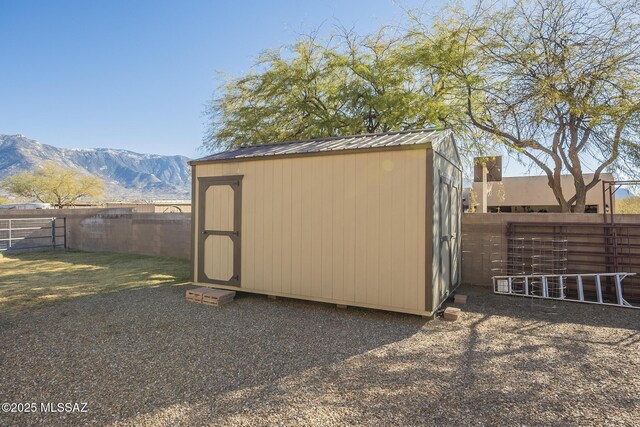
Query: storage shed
(366, 220)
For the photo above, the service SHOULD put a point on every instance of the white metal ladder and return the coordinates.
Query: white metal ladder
(553, 286)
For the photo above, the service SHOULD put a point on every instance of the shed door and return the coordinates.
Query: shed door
(455, 208)
(445, 255)
(219, 220)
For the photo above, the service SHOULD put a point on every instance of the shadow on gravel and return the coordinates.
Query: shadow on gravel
(539, 312)
(144, 349)
(148, 357)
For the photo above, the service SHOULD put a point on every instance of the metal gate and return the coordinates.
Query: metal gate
(33, 233)
(591, 248)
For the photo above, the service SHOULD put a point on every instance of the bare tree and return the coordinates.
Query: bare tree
(557, 81)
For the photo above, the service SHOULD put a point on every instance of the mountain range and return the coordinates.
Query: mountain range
(127, 175)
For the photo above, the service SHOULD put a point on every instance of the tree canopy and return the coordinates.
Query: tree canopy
(349, 85)
(55, 185)
(557, 82)
(628, 205)
(554, 82)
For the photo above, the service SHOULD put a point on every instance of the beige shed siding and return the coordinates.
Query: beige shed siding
(347, 228)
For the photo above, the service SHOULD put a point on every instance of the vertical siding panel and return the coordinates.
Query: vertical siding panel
(286, 226)
(219, 269)
(209, 209)
(230, 207)
(399, 232)
(228, 221)
(338, 217)
(277, 226)
(209, 267)
(296, 226)
(387, 170)
(349, 231)
(316, 227)
(372, 224)
(247, 231)
(207, 248)
(411, 219)
(328, 202)
(212, 258)
(308, 229)
(221, 197)
(225, 196)
(224, 246)
(210, 247)
(421, 229)
(230, 214)
(258, 260)
(268, 225)
(232, 168)
(215, 198)
(361, 229)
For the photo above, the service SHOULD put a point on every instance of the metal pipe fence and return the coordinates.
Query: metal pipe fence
(590, 248)
(33, 233)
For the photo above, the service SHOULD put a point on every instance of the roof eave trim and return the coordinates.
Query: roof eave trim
(423, 145)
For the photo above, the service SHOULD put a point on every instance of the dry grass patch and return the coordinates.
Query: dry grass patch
(29, 280)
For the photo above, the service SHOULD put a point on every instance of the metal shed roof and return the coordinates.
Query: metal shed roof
(326, 145)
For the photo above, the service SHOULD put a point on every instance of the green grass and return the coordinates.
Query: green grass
(30, 280)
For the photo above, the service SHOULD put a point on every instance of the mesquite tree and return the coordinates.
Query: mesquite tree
(556, 81)
(347, 85)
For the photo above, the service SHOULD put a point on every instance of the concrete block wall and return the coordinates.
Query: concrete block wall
(169, 234)
(137, 233)
(121, 230)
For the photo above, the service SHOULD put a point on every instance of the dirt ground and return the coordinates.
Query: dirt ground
(145, 356)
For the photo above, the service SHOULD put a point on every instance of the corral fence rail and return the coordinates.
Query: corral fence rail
(590, 248)
(33, 233)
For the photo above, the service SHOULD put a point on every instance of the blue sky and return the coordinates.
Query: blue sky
(136, 74)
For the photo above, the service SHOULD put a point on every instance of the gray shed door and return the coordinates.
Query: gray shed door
(219, 228)
(455, 207)
(449, 220)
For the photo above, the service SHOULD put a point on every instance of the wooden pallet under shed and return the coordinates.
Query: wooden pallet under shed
(210, 296)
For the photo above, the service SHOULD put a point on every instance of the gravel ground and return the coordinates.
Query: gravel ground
(148, 357)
